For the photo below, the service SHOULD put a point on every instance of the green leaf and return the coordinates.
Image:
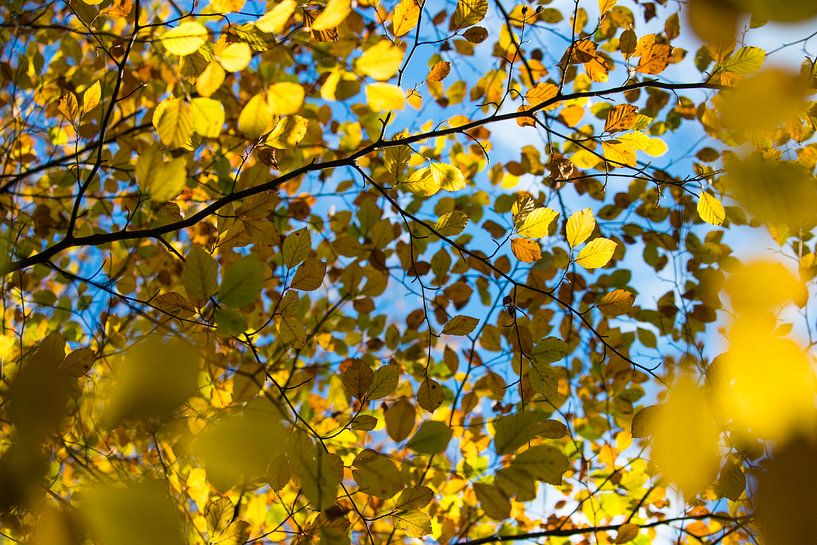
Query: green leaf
(493, 501)
(460, 325)
(543, 463)
(242, 282)
(384, 381)
(230, 322)
(432, 438)
(376, 474)
(514, 430)
(451, 223)
(309, 275)
(297, 246)
(414, 523)
(549, 350)
(200, 276)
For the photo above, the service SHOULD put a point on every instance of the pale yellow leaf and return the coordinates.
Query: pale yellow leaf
(185, 39)
(384, 97)
(235, 57)
(332, 15)
(285, 98)
(597, 253)
(580, 226)
(421, 182)
(255, 118)
(710, 209)
(210, 79)
(449, 177)
(175, 123)
(537, 223)
(274, 21)
(381, 61)
(208, 116)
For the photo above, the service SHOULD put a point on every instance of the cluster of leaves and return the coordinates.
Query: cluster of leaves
(384, 270)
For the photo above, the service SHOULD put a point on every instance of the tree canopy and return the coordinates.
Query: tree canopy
(401, 271)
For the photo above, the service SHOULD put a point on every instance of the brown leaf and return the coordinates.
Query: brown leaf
(621, 117)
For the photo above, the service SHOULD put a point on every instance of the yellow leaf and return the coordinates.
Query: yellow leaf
(381, 61)
(537, 223)
(162, 180)
(710, 209)
(185, 39)
(765, 383)
(384, 97)
(580, 226)
(275, 20)
(256, 118)
(422, 182)
(468, 13)
(616, 302)
(606, 5)
(541, 92)
(288, 132)
(175, 125)
(208, 116)
(526, 250)
(439, 71)
(585, 159)
(597, 253)
(572, 114)
(685, 438)
(451, 223)
(449, 177)
(91, 97)
(621, 117)
(619, 152)
(235, 57)
(210, 79)
(405, 17)
(285, 98)
(332, 15)
(226, 6)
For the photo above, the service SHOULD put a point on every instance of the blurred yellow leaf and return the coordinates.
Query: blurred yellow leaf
(235, 57)
(255, 118)
(332, 15)
(384, 97)
(208, 116)
(381, 61)
(275, 20)
(765, 383)
(285, 98)
(685, 438)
